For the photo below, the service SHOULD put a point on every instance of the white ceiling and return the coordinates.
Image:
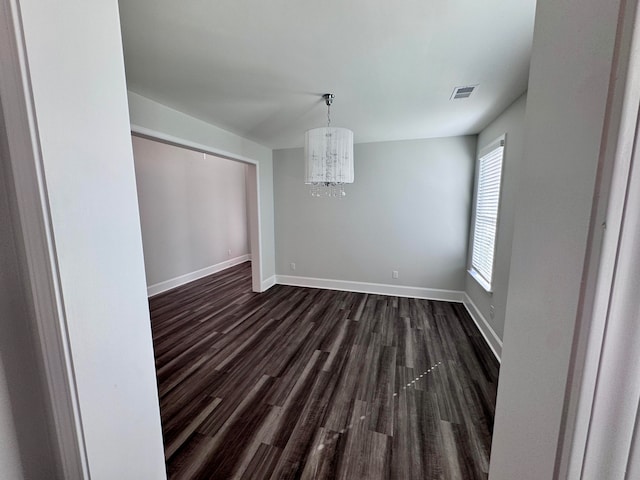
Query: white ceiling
(258, 68)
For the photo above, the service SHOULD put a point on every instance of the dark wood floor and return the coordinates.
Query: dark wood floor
(319, 384)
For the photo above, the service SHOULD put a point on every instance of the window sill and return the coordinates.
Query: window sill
(481, 281)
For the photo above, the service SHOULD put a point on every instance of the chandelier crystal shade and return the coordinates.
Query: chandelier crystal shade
(328, 153)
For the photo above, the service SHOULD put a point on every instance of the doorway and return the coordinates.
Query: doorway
(185, 268)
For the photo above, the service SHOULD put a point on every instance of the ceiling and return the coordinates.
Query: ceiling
(259, 68)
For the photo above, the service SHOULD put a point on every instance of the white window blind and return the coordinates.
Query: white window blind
(486, 217)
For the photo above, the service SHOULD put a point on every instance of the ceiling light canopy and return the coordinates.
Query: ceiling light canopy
(328, 153)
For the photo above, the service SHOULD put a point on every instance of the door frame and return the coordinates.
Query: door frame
(253, 191)
(600, 425)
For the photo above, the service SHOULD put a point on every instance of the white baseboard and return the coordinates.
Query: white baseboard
(494, 342)
(488, 333)
(268, 283)
(190, 277)
(375, 288)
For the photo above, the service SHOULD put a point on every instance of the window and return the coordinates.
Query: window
(486, 213)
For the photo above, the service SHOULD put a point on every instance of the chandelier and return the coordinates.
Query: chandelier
(328, 153)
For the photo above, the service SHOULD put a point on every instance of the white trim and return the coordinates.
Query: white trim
(490, 336)
(38, 245)
(491, 146)
(613, 382)
(481, 281)
(498, 143)
(268, 283)
(254, 212)
(190, 277)
(375, 288)
(181, 142)
(596, 328)
(255, 226)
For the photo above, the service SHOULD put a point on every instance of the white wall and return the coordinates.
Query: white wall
(568, 86)
(159, 118)
(76, 74)
(511, 122)
(81, 110)
(408, 210)
(193, 209)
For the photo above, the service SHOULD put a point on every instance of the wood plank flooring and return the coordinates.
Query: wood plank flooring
(319, 384)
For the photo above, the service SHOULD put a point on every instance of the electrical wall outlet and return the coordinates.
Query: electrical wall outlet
(492, 311)
(229, 252)
(292, 265)
(395, 274)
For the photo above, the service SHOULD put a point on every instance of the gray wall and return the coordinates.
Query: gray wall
(566, 102)
(511, 122)
(408, 210)
(25, 451)
(193, 210)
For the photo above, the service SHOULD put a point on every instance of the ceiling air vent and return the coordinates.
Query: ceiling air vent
(462, 92)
